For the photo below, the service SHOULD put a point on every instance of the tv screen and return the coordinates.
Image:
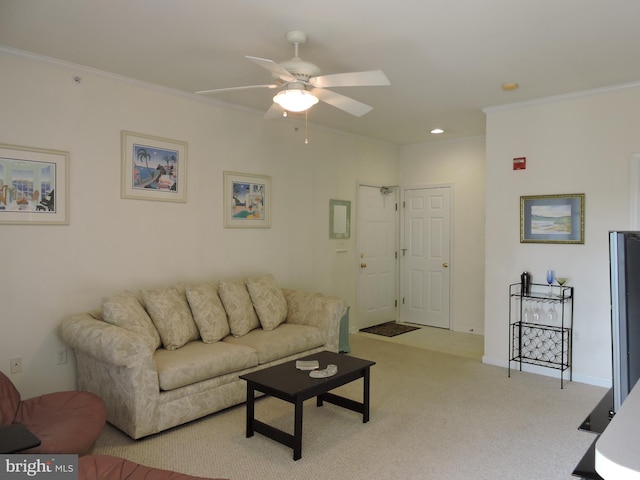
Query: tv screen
(624, 261)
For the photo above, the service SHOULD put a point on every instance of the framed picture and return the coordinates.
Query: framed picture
(552, 218)
(339, 219)
(247, 200)
(33, 186)
(153, 168)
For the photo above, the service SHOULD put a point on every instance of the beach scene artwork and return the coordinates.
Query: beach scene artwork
(27, 186)
(551, 219)
(155, 168)
(248, 201)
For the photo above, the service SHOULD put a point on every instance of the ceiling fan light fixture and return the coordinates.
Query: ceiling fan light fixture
(295, 100)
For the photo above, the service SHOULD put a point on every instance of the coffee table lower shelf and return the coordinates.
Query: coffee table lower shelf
(295, 386)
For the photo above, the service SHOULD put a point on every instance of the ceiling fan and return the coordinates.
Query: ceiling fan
(302, 86)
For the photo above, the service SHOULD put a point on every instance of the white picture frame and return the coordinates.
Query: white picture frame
(33, 186)
(247, 200)
(153, 168)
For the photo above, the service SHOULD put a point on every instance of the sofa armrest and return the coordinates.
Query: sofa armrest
(117, 365)
(108, 343)
(318, 310)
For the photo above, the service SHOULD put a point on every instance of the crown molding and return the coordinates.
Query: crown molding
(562, 97)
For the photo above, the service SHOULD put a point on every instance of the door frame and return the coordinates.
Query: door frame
(401, 228)
(356, 256)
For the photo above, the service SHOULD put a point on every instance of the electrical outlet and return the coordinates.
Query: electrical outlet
(15, 364)
(62, 356)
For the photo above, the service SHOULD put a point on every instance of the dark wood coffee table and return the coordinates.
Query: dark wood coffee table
(287, 383)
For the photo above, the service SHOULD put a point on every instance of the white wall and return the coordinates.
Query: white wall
(112, 244)
(575, 144)
(460, 164)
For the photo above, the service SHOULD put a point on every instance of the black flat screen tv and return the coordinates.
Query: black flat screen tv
(624, 266)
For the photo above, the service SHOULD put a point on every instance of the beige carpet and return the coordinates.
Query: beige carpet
(434, 416)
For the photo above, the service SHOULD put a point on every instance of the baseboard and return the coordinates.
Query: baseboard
(548, 372)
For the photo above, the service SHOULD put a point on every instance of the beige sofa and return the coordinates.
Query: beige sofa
(162, 357)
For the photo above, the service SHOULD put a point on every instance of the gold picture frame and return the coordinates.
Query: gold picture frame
(552, 218)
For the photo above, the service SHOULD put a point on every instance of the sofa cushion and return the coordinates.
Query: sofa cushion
(125, 310)
(287, 339)
(237, 303)
(208, 312)
(268, 301)
(198, 361)
(169, 310)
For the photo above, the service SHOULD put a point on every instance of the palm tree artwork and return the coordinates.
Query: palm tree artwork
(154, 168)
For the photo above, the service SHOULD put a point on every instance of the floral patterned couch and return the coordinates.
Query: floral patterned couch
(163, 357)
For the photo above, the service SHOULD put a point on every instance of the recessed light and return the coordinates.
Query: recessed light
(508, 87)
(437, 131)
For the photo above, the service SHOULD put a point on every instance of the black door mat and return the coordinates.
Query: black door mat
(389, 329)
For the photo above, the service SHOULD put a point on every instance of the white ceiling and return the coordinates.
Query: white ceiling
(446, 59)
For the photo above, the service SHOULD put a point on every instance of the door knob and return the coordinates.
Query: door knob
(445, 265)
(363, 265)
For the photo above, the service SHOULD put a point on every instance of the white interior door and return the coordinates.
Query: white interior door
(425, 256)
(377, 234)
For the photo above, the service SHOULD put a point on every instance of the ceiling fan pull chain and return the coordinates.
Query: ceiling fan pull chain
(306, 127)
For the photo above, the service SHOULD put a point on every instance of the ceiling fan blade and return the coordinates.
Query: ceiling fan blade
(347, 104)
(276, 69)
(275, 111)
(371, 78)
(228, 89)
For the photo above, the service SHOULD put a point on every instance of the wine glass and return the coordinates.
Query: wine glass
(552, 314)
(550, 276)
(561, 281)
(536, 312)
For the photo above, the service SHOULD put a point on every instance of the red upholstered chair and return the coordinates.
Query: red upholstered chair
(106, 467)
(65, 422)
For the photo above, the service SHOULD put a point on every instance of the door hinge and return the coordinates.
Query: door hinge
(403, 204)
(396, 206)
(403, 300)
(396, 303)
(396, 255)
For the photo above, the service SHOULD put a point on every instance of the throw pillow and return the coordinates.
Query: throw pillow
(208, 312)
(237, 303)
(125, 310)
(268, 300)
(171, 315)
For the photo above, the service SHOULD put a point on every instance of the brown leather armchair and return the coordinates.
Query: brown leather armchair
(65, 422)
(107, 467)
